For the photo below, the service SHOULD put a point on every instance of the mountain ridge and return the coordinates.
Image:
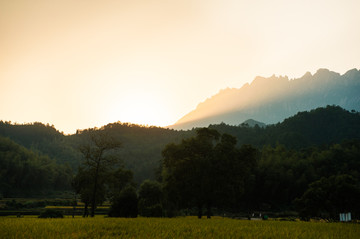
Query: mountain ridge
(271, 100)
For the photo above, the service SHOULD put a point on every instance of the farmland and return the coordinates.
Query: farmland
(183, 227)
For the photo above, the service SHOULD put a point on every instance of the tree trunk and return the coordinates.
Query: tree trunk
(199, 211)
(208, 211)
(93, 199)
(86, 212)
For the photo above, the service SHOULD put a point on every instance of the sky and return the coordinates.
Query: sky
(87, 63)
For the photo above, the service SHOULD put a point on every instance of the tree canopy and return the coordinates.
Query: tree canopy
(99, 159)
(23, 172)
(205, 170)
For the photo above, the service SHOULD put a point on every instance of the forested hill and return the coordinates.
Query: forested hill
(25, 173)
(43, 139)
(140, 151)
(320, 126)
(142, 146)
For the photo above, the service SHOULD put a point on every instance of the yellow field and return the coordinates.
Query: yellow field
(190, 227)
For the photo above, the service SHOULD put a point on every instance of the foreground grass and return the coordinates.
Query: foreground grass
(100, 227)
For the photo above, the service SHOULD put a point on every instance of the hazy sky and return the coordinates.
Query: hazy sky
(85, 63)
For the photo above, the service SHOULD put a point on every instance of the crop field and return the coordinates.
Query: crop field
(189, 227)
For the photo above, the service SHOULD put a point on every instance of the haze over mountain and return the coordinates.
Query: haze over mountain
(253, 123)
(271, 100)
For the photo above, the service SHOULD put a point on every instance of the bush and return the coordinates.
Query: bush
(51, 213)
(150, 211)
(13, 204)
(125, 204)
(150, 199)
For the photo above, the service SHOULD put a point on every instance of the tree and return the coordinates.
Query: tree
(328, 197)
(117, 180)
(99, 157)
(125, 204)
(83, 185)
(150, 199)
(186, 169)
(205, 172)
(232, 168)
(51, 213)
(24, 173)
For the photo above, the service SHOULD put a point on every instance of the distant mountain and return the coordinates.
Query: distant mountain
(253, 123)
(271, 100)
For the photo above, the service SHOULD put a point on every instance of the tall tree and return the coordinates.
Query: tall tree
(125, 204)
(328, 197)
(204, 172)
(83, 185)
(99, 157)
(150, 199)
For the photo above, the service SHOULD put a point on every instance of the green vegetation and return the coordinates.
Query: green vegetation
(318, 127)
(25, 173)
(308, 161)
(282, 175)
(142, 146)
(206, 171)
(43, 140)
(328, 195)
(125, 203)
(151, 199)
(188, 227)
(98, 163)
(51, 213)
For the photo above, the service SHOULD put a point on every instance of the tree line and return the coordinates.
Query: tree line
(25, 173)
(272, 167)
(142, 146)
(209, 171)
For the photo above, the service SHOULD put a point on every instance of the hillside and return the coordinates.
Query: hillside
(140, 152)
(44, 139)
(321, 126)
(142, 146)
(271, 100)
(24, 172)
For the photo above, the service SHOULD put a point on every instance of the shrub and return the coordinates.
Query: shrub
(51, 213)
(150, 211)
(125, 204)
(150, 199)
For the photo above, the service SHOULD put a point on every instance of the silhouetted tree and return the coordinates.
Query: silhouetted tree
(150, 199)
(125, 204)
(328, 197)
(117, 180)
(99, 157)
(203, 171)
(25, 173)
(83, 184)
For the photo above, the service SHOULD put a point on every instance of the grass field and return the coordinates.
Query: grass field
(189, 227)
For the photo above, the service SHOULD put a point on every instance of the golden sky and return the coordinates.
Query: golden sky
(85, 63)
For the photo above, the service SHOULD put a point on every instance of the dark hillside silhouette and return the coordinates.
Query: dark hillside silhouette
(142, 146)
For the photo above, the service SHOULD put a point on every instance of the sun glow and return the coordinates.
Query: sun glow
(139, 106)
(144, 111)
(79, 64)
